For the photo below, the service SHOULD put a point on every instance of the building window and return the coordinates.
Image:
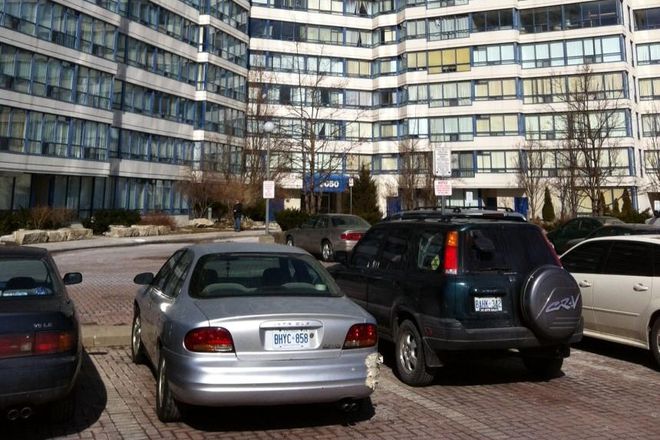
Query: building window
(497, 125)
(451, 129)
(450, 94)
(493, 55)
(449, 60)
(494, 89)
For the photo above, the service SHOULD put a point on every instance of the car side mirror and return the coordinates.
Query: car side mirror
(72, 278)
(144, 278)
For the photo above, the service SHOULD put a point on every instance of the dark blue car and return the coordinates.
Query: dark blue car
(40, 344)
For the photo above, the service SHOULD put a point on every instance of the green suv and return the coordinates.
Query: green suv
(442, 285)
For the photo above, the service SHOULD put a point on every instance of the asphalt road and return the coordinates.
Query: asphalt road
(606, 391)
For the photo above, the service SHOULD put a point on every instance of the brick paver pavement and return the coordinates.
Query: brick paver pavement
(599, 397)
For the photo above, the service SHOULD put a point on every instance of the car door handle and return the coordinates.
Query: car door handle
(639, 287)
(584, 283)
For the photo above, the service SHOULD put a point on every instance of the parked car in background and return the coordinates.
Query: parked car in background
(618, 229)
(578, 227)
(439, 286)
(246, 324)
(40, 344)
(619, 278)
(327, 234)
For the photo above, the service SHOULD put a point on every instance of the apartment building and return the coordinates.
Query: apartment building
(487, 80)
(108, 103)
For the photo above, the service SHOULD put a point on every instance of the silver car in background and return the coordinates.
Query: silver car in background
(236, 324)
(327, 234)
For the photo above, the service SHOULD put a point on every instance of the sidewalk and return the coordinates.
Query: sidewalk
(119, 335)
(195, 237)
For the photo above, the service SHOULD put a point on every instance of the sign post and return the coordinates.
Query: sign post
(350, 190)
(442, 169)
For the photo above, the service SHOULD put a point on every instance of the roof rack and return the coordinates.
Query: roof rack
(456, 213)
(462, 208)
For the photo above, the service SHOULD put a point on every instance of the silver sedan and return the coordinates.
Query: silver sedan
(327, 234)
(233, 324)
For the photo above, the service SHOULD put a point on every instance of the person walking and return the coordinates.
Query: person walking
(238, 214)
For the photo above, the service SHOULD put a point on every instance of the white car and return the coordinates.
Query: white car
(619, 278)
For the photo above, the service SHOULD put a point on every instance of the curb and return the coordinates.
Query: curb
(139, 241)
(94, 336)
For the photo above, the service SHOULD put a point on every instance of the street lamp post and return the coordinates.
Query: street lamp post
(268, 128)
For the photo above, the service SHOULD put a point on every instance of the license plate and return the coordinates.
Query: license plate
(492, 304)
(299, 339)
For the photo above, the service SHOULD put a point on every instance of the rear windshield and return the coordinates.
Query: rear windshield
(260, 274)
(519, 249)
(22, 277)
(353, 222)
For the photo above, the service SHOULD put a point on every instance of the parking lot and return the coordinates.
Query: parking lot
(606, 391)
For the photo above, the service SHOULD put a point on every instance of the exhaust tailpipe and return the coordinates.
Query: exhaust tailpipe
(26, 412)
(348, 405)
(13, 414)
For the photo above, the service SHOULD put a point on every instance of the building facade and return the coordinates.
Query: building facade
(108, 103)
(489, 80)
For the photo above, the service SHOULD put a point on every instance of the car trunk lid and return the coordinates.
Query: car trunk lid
(284, 328)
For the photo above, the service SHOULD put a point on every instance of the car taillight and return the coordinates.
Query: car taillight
(451, 253)
(354, 236)
(53, 342)
(209, 340)
(361, 335)
(25, 344)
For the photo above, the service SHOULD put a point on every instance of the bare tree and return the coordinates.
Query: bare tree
(201, 189)
(311, 100)
(530, 176)
(591, 117)
(415, 176)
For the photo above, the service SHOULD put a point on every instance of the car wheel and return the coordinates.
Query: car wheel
(289, 240)
(137, 348)
(654, 343)
(64, 409)
(542, 367)
(327, 253)
(167, 409)
(409, 353)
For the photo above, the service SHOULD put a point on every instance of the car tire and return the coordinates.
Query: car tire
(327, 252)
(137, 348)
(289, 240)
(63, 410)
(409, 356)
(167, 409)
(542, 367)
(551, 303)
(654, 342)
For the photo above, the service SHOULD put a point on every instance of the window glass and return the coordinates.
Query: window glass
(585, 258)
(364, 253)
(430, 250)
(179, 272)
(394, 253)
(166, 272)
(244, 274)
(629, 258)
(22, 277)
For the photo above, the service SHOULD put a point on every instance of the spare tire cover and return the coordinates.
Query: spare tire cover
(551, 303)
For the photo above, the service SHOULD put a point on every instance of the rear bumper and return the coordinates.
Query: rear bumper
(204, 380)
(450, 334)
(37, 380)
